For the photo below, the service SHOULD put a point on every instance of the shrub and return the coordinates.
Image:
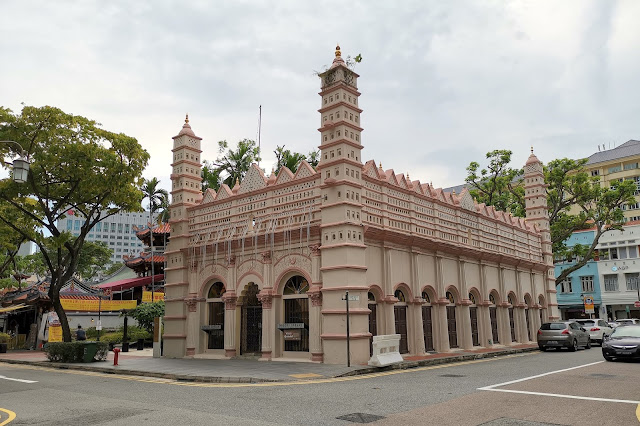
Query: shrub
(92, 333)
(146, 312)
(74, 351)
(4, 338)
(112, 337)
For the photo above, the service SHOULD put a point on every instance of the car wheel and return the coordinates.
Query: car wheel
(588, 344)
(574, 346)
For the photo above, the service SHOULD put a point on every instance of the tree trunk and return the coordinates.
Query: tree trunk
(54, 295)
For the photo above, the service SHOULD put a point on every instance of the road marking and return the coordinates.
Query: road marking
(306, 376)
(11, 415)
(18, 380)
(638, 412)
(538, 375)
(557, 395)
(265, 384)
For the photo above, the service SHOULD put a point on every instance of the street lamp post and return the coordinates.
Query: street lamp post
(99, 327)
(20, 165)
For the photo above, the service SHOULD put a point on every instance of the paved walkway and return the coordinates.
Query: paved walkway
(142, 363)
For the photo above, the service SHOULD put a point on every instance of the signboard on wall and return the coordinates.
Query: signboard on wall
(157, 296)
(80, 305)
(55, 333)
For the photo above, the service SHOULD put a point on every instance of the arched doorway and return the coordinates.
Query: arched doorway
(373, 319)
(473, 313)
(215, 323)
(251, 331)
(427, 322)
(543, 309)
(296, 311)
(512, 321)
(451, 321)
(493, 316)
(400, 315)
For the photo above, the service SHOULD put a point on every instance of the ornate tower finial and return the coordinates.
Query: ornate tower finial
(408, 178)
(532, 149)
(381, 165)
(186, 119)
(338, 54)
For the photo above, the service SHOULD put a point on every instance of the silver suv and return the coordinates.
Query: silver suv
(564, 334)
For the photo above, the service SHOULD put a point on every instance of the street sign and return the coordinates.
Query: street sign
(636, 304)
(588, 305)
(354, 298)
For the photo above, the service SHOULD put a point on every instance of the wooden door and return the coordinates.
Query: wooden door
(473, 313)
(373, 326)
(427, 328)
(451, 326)
(400, 313)
(512, 325)
(526, 317)
(494, 324)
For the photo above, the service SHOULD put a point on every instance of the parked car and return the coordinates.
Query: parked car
(613, 324)
(564, 334)
(624, 343)
(596, 328)
(628, 321)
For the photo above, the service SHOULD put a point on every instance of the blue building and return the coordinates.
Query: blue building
(583, 282)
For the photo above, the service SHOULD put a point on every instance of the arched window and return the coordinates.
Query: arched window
(215, 323)
(492, 299)
(472, 298)
(399, 294)
(371, 297)
(216, 291)
(450, 297)
(296, 285)
(425, 297)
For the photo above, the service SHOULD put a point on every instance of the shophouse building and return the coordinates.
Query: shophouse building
(619, 271)
(264, 268)
(579, 284)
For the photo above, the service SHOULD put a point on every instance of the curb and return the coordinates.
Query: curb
(437, 361)
(209, 379)
(168, 376)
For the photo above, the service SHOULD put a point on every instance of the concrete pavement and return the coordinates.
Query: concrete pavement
(141, 363)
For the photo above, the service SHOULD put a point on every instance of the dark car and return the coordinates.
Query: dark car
(624, 343)
(565, 334)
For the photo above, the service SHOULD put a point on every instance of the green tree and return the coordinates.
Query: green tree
(313, 158)
(77, 165)
(10, 240)
(288, 159)
(145, 313)
(164, 208)
(154, 194)
(210, 177)
(575, 200)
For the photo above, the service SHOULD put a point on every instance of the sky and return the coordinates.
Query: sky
(442, 82)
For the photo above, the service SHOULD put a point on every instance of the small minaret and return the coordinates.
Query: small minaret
(537, 213)
(186, 191)
(343, 250)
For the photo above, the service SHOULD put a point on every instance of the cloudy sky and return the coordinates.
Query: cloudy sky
(442, 82)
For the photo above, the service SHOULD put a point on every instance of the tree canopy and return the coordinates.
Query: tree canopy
(575, 200)
(75, 165)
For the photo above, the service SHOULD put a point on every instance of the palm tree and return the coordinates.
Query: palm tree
(155, 196)
(236, 164)
(288, 159)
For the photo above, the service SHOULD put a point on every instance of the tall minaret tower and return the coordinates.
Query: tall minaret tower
(186, 191)
(343, 251)
(537, 213)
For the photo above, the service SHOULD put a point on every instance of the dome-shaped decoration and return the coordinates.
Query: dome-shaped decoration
(186, 128)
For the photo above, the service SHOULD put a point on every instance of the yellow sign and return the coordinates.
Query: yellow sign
(157, 296)
(55, 333)
(94, 305)
(588, 305)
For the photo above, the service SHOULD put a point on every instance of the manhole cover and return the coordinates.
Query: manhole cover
(602, 376)
(360, 418)
(452, 375)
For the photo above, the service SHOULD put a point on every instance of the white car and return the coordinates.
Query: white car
(628, 321)
(597, 329)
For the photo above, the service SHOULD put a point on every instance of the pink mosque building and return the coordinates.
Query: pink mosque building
(262, 268)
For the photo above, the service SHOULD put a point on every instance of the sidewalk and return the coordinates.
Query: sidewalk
(141, 363)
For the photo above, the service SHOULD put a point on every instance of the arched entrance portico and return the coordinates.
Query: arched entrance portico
(493, 316)
(473, 314)
(400, 315)
(215, 316)
(512, 321)
(251, 321)
(296, 311)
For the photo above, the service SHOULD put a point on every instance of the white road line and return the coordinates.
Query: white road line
(538, 375)
(587, 398)
(18, 380)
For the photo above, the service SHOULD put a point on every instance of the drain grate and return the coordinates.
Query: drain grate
(360, 418)
(602, 376)
(452, 375)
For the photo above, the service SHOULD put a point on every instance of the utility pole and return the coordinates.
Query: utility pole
(346, 299)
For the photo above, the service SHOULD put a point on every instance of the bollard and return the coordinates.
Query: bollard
(116, 351)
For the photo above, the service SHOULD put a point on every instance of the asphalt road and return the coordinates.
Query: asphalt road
(469, 393)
